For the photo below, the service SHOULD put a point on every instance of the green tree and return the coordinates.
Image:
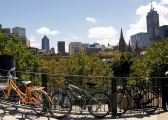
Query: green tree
(83, 64)
(80, 65)
(121, 64)
(25, 58)
(154, 63)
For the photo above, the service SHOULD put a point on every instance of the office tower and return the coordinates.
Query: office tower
(163, 31)
(122, 44)
(52, 50)
(19, 30)
(152, 20)
(75, 47)
(93, 48)
(6, 31)
(141, 38)
(45, 44)
(61, 47)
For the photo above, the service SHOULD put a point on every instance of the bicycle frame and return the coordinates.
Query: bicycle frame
(71, 87)
(141, 92)
(25, 97)
(85, 93)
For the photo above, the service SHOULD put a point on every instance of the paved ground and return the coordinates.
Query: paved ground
(12, 113)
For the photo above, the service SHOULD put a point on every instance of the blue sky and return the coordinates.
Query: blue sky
(86, 21)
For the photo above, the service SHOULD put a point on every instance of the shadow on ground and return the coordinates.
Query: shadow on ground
(11, 113)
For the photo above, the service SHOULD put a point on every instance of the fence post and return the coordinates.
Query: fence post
(44, 80)
(165, 92)
(113, 89)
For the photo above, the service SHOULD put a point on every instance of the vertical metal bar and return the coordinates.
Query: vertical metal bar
(113, 89)
(164, 94)
(44, 80)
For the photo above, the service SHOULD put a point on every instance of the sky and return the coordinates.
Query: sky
(85, 21)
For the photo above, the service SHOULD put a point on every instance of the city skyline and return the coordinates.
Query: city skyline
(80, 21)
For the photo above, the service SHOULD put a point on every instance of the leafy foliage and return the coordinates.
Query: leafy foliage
(25, 58)
(78, 66)
(83, 64)
(154, 63)
(121, 64)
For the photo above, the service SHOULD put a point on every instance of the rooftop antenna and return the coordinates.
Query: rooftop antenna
(152, 6)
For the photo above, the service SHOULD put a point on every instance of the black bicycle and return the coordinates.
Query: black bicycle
(146, 100)
(78, 99)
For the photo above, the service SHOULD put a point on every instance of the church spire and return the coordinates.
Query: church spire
(122, 44)
(121, 35)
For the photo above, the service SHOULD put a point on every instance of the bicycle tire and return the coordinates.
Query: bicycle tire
(60, 109)
(41, 101)
(3, 92)
(150, 102)
(120, 103)
(105, 106)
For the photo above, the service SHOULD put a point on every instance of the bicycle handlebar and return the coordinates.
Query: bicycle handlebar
(9, 74)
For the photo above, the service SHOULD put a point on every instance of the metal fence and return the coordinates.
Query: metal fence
(52, 82)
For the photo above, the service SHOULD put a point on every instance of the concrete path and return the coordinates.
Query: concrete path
(13, 113)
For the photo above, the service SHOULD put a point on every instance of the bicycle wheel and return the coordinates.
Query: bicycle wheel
(150, 102)
(120, 103)
(40, 101)
(2, 95)
(61, 105)
(99, 105)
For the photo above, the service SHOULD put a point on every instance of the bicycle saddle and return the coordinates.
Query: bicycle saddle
(26, 82)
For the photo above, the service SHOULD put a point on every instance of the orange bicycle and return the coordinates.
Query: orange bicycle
(36, 97)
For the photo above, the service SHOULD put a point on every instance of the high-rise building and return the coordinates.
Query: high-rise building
(142, 39)
(21, 33)
(19, 30)
(164, 31)
(45, 44)
(6, 31)
(61, 47)
(75, 47)
(25, 40)
(52, 50)
(152, 20)
(93, 48)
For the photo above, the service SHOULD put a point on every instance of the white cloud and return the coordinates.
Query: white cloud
(102, 32)
(47, 31)
(89, 19)
(32, 39)
(139, 24)
(164, 2)
(33, 42)
(36, 45)
(108, 41)
(73, 37)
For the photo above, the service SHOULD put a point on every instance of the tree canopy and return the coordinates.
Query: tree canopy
(154, 63)
(25, 58)
(121, 64)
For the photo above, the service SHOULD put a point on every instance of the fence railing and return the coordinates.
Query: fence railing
(52, 82)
